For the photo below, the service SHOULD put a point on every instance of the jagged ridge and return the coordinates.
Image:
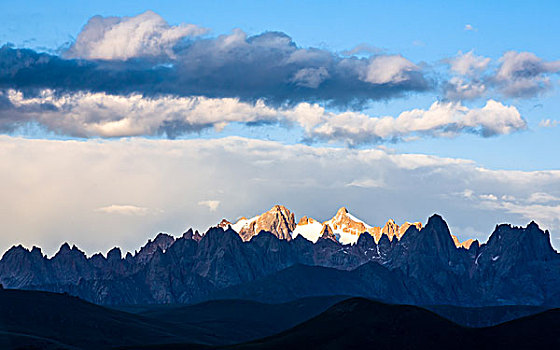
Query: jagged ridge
(516, 266)
(343, 227)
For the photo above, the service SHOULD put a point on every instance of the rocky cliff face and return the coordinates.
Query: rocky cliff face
(466, 244)
(516, 266)
(224, 224)
(279, 221)
(402, 229)
(326, 233)
(392, 230)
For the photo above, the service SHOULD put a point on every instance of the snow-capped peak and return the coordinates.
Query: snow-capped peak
(243, 222)
(278, 220)
(309, 228)
(346, 227)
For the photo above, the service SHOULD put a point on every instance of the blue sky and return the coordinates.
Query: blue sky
(419, 39)
(426, 31)
(395, 25)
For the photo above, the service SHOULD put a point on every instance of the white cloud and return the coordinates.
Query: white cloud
(442, 119)
(547, 215)
(523, 74)
(468, 63)
(121, 38)
(60, 184)
(541, 207)
(489, 197)
(123, 210)
(518, 74)
(469, 27)
(507, 197)
(468, 84)
(87, 114)
(388, 69)
(549, 123)
(211, 204)
(366, 183)
(541, 197)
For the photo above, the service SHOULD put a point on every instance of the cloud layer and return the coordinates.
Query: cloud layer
(58, 187)
(99, 114)
(146, 55)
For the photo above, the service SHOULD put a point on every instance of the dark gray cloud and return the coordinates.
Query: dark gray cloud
(268, 66)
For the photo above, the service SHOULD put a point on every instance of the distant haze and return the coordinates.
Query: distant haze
(100, 194)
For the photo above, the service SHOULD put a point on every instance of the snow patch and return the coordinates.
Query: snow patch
(239, 225)
(346, 237)
(311, 231)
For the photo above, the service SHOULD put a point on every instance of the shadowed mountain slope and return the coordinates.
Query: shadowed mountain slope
(43, 320)
(30, 319)
(360, 323)
(236, 321)
(33, 319)
(299, 281)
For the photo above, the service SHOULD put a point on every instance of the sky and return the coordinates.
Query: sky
(122, 119)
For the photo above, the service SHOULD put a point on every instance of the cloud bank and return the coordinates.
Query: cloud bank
(99, 114)
(146, 55)
(141, 76)
(59, 185)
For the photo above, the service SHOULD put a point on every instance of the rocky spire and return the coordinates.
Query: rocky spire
(278, 220)
(224, 224)
(327, 233)
(466, 244)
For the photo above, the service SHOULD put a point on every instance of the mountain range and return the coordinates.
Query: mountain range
(343, 227)
(272, 258)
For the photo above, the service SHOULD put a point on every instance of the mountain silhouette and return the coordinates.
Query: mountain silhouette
(517, 266)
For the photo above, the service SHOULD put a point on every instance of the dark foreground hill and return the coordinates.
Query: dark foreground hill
(236, 321)
(360, 323)
(42, 320)
(484, 316)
